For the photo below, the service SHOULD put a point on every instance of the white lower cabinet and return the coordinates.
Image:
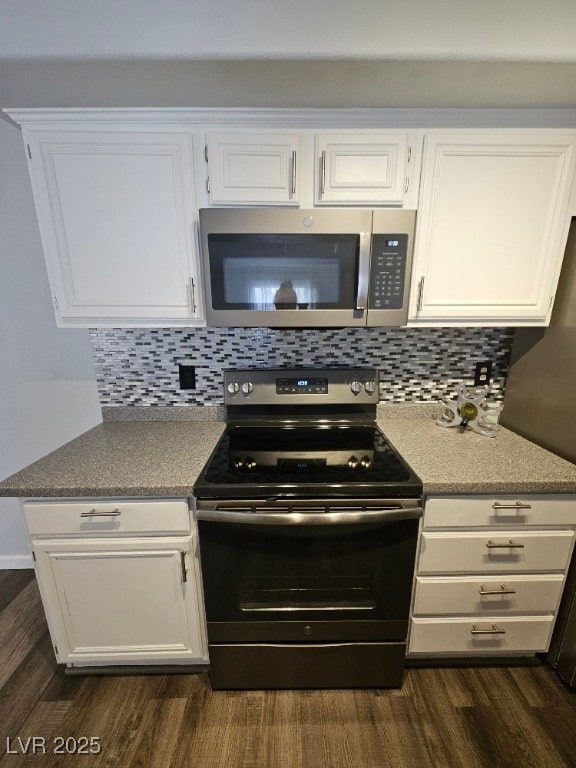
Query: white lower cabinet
(490, 574)
(487, 595)
(481, 637)
(114, 596)
(493, 552)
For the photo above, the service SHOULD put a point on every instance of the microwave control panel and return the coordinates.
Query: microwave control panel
(388, 271)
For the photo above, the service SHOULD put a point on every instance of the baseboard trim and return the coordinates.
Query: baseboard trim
(9, 562)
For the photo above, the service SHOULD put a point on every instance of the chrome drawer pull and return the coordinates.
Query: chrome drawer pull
(502, 591)
(493, 631)
(95, 513)
(516, 505)
(510, 545)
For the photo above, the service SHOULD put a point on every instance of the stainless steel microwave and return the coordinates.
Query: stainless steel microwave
(306, 268)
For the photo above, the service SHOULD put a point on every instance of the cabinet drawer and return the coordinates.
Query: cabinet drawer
(505, 511)
(466, 635)
(487, 595)
(104, 517)
(490, 552)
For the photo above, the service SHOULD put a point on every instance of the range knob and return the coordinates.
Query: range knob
(365, 461)
(233, 388)
(247, 388)
(370, 387)
(249, 462)
(237, 462)
(353, 462)
(356, 387)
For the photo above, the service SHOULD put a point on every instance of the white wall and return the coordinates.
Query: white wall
(443, 30)
(250, 83)
(47, 383)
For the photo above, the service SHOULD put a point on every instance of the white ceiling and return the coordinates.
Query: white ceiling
(288, 53)
(379, 30)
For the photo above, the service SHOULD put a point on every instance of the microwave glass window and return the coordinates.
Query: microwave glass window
(267, 272)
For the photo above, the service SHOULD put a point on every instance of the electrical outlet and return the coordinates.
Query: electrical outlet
(482, 373)
(187, 375)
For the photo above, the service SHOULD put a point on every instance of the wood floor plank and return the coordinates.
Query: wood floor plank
(540, 687)
(158, 732)
(559, 724)
(404, 732)
(46, 721)
(328, 720)
(440, 723)
(4, 574)
(12, 582)
(371, 728)
(511, 738)
(22, 624)
(64, 688)
(192, 722)
(225, 733)
(23, 689)
(112, 709)
(281, 733)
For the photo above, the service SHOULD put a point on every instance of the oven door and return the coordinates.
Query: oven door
(308, 572)
(286, 268)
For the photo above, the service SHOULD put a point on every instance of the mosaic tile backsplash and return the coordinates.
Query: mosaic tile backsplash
(140, 366)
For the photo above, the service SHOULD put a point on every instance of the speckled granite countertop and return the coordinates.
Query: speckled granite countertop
(122, 458)
(448, 461)
(163, 458)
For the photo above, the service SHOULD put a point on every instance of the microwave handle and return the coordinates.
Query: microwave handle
(363, 271)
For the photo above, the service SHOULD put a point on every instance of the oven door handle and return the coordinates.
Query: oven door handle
(383, 515)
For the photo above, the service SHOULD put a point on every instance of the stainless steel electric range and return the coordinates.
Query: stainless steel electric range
(308, 522)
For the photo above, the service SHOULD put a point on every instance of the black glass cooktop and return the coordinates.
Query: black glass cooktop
(305, 460)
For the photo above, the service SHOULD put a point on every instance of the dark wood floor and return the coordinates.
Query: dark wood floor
(467, 717)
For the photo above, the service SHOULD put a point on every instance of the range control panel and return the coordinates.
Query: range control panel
(388, 271)
(301, 386)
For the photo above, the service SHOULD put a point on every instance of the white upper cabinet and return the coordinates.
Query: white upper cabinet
(345, 167)
(115, 209)
(362, 168)
(117, 194)
(253, 168)
(492, 224)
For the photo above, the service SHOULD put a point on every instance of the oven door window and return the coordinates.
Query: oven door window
(268, 272)
(263, 573)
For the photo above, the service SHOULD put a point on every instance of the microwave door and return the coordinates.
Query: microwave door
(290, 268)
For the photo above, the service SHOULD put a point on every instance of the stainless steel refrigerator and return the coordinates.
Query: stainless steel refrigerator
(540, 404)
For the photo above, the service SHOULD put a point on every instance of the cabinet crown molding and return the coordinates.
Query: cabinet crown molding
(366, 117)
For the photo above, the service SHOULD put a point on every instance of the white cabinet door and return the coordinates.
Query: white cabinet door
(492, 224)
(253, 168)
(358, 168)
(123, 601)
(115, 210)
